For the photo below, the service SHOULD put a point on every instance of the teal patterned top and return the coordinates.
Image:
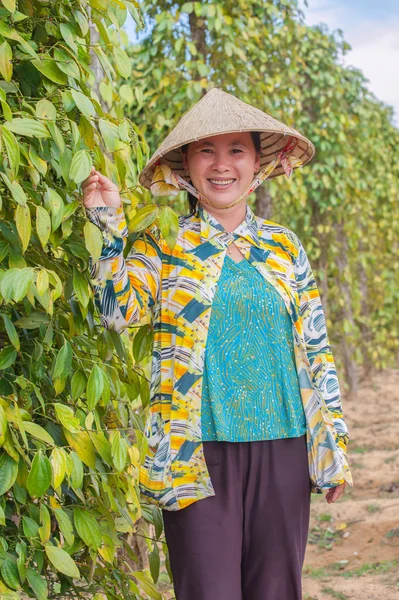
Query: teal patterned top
(250, 389)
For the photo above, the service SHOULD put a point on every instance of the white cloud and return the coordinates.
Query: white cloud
(374, 40)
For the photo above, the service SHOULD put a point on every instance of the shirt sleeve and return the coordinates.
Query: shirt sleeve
(125, 290)
(318, 345)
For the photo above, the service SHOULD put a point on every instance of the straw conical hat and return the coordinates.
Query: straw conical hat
(218, 112)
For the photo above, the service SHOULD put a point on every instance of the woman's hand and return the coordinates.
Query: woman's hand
(98, 190)
(334, 493)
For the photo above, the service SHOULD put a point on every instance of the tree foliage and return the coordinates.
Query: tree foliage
(342, 205)
(73, 398)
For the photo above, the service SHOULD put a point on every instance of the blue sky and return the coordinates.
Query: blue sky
(371, 27)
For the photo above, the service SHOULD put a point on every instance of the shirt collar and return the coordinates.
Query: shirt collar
(210, 226)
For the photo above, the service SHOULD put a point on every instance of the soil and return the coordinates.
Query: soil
(353, 544)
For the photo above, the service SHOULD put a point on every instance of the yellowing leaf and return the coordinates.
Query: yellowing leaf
(46, 110)
(83, 446)
(38, 432)
(42, 282)
(24, 225)
(59, 464)
(9, 5)
(43, 225)
(93, 240)
(6, 61)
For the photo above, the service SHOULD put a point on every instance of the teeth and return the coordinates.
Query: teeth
(227, 182)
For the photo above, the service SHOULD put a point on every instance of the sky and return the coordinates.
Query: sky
(371, 27)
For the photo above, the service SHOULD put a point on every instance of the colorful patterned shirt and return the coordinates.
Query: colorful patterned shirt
(251, 388)
(177, 286)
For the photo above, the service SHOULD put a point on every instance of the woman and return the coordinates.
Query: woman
(246, 418)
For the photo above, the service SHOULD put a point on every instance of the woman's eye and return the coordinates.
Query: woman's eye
(237, 150)
(206, 150)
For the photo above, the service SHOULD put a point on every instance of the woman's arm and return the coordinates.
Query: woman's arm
(317, 343)
(125, 290)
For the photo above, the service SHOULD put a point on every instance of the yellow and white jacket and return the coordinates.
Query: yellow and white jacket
(177, 287)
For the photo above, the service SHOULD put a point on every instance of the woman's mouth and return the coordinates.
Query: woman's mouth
(221, 184)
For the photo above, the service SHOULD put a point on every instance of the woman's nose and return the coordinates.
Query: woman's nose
(221, 162)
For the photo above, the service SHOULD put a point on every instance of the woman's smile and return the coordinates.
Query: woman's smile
(221, 184)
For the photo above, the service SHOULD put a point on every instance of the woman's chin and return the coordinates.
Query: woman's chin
(222, 197)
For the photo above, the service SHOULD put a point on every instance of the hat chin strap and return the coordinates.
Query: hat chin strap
(259, 178)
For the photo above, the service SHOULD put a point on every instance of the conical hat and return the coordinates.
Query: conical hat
(219, 112)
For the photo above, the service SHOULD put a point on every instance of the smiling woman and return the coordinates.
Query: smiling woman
(245, 411)
(242, 143)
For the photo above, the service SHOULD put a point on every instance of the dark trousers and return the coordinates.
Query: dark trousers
(247, 542)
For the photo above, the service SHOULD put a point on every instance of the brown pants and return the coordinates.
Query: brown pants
(247, 542)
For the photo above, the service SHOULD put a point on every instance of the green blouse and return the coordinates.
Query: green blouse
(250, 387)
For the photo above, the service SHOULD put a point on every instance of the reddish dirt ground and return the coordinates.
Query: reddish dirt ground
(353, 549)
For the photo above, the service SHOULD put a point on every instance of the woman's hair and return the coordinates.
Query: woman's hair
(192, 200)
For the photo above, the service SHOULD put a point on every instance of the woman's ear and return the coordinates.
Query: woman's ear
(257, 162)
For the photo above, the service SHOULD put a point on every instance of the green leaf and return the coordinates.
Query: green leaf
(56, 205)
(46, 110)
(7, 357)
(122, 62)
(30, 527)
(39, 477)
(6, 61)
(11, 332)
(68, 36)
(62, 561)
(16, 190)
(11, 34)
(9, 572)
(77, 471)
(43, 225)
(95, 386)
(45, 519)
(81, 287)
(65, 525)
(8, 473)
(84, 104)
(142, 343)
(147, 584)
(110, 133)
(63, 363)
(37, 583)
(78, 384)
(24, 225)
(119, 451)
(38, 432)
(66, 417)
(144, 218)
(81, 21)
(12, 148)
(49, 68)
(93, 240)
(27, 127)
(21, 283)
(80, 166)
(87, 528)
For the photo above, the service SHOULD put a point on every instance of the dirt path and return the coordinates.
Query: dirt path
(353, 549)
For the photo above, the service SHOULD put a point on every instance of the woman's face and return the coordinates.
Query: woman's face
(221, 167)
